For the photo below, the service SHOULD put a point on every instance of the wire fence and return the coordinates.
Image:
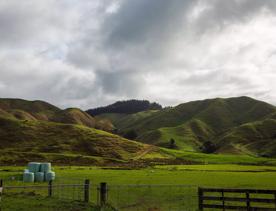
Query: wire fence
(152, 197)
(58, 195)
(71, 191)
(119, 197)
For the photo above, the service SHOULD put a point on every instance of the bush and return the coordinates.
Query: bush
(208, 147)
(172, 144)
(131, 134)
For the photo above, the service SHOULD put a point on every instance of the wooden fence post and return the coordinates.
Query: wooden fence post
(103, 193)
(1, 189)
(275, 199)
(50, 188)
(247, 201)
(86, 190)
(200, 199)
(223, 202)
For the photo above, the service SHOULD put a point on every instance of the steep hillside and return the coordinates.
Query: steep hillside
(23, 140)
(43, 111)
(74, 116)
(257, 138)
(125, 107)
(38, 130)
(219, 114)
(195, 123)
(25, 109)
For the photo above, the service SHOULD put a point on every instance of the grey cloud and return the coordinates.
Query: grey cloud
(218, 77)
(75, 53)
(120, 83)
(138, 22)
(35, 23)
(222, 13)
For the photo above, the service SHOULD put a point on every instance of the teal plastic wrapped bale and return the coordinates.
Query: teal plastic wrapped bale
(39, 176)
(50, 176)
(45, 167)
(28, 177)
(34, 167)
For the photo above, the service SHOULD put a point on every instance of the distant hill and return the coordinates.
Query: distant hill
(42, 111)
(25, 109)
(74, 116)
(213, 125)
(39, 131)
(125, 107)
(24, 140)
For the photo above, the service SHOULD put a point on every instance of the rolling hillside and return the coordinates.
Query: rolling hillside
(42, 111)
(214, 121)
(256, 137)
(39, 131)
(29, 110)
(125, 107)
(25, 140)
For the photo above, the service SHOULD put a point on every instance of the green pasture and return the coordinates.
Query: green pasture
(167, 187)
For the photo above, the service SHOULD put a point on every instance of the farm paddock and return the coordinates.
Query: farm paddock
(155, 188)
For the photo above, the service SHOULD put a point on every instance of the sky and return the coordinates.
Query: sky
(86, 53)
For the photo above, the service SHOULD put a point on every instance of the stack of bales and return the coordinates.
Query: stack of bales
(38, 172)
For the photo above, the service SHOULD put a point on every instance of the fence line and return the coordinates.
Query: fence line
(80, 192)
(239, 199)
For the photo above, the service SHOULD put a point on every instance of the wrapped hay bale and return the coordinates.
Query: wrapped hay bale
(45, 167)
(34, 167)
(28, 177)
(50, 176)
(39, 176)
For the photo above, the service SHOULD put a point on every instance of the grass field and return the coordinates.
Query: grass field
(25, 201)
(199, 175)
(170, 186)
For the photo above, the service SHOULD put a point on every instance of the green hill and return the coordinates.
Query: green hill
(257, 138)
(74, 116)
(43, 111)
(194, 123)
(24, 140)
(125, 107)
(24, 109)
(39, 131)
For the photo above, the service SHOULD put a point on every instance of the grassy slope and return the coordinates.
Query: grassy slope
(74, 116)
(256, 137)
(114, 117)
(24, 140)
(37, 109)
(43, 111)
(190, 124)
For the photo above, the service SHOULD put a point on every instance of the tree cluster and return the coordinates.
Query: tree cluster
(126, 107)
(208, 147)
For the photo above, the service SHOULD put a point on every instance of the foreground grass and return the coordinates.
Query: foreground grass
(25, 201)
(171, 187)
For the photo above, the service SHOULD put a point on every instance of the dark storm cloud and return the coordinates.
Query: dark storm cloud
(88, 53)
(139, 22)
(122, 83)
